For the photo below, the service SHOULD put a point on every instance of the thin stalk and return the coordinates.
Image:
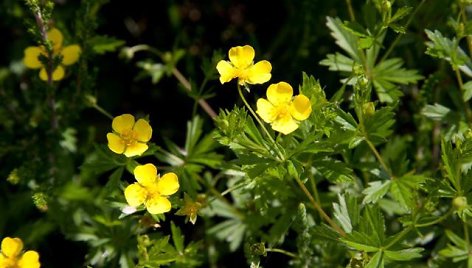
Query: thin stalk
(468, 112)
(102, 111)
(320, 210)
(466, 235)
(464, 20)
(260, 123)
(177, 74)
(440, 219)
(205, 106)
(351, 10)
(402, 234)
(379, 158)
(399, 36)
(278, 250)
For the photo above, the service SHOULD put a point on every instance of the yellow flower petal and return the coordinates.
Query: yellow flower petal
(259, 73)
(30, 259)
(168, 184)
(115, 143)
(135, 194)
(55, 36)
(146, 174)
(158, 205)
(285, 125)
(300, 108)
(31, 59)
(241, 56)
(279, 93)
(266, 110)
(11, 247)
(226, 70)
(143, 130)
(122, 123)
(57, 74)
(70, 54)
(135, 149)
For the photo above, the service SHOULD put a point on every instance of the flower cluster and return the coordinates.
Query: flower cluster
(280, 109)
(129, 137)
(11, 255)
(67, 56)
(151, 189)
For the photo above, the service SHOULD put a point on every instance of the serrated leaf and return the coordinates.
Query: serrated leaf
(435, 112)
(341, 214)
(338, 62)
(102, 44)
(376, 261)
(378, 126)
(400, 13)
(403, 189)
(388, 74)
(375, 191)
(467, 91)
(345, 39)
(334, 170)
(404, 254)
(447, 49)
(177, 238)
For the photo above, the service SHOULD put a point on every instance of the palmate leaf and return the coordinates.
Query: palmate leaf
(344, 38)
(448, 49)
(388, 74)
(378, 126)
(375, 191)
(334, 170)
(404, 189)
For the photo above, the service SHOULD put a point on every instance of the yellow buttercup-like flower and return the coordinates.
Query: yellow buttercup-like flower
(151, 189)
(129, 136)
(282, 110)
(241, 66)
(68, 55)
(12, 257)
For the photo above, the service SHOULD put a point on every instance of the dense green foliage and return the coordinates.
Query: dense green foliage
(378, 175)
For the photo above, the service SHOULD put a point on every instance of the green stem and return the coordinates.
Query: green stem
(290, 254)
(468, 112)
(440, 219)
(260, 123)
(399, 36)
(320, 210)
(102, 111)
(351, 10)
(466, 235)
(402, 234)
(177, 74)
(379, 158)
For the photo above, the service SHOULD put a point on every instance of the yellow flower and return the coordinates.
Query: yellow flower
(129, 137)
(69, 55)
(281, 110)
(241, 66)
(11, 257)
(151, 189)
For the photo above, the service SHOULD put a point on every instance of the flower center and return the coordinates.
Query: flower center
(282, 111)
(242, 74)
(129, 137)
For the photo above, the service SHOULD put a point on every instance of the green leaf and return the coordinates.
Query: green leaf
(360, 242)
(334, 170)
(113, 181)
(404, 189)
(102, 44)
(378, 126)
(377, 261)
(449, 50)
(467, 91)
(375, 191)
(404, 254)
(450, 163)
(177, 238)
(388, 74)
(344, 38)
(400, 13)
(435, 112)
(341, 214)
(338, 62)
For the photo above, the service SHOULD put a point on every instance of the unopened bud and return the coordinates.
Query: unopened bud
(368, 108)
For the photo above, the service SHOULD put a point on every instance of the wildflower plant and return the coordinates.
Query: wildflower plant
(339, 137)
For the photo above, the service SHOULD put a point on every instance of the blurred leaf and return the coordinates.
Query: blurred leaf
(436, 112)
(102, 44)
